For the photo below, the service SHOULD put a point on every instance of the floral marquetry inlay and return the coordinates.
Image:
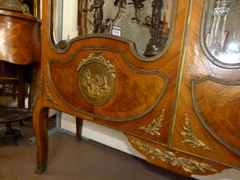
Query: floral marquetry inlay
(188, 165)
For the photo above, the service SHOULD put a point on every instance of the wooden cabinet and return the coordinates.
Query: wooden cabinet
(179, 108)
(20, 38)
(19, 49)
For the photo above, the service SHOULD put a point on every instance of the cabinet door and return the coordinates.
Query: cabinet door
(117, 68)
(207, 118)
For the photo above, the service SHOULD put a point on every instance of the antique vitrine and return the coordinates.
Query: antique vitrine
(149, 69)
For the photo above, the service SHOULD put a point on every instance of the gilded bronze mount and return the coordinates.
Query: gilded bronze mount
(96, 78)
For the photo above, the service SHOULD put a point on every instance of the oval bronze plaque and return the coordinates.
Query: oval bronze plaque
(96, 82)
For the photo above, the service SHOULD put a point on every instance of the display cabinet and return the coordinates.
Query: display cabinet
(149, 69)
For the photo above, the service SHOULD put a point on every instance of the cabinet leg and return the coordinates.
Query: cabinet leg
(40, 168)
(79, 124)
(39, 119)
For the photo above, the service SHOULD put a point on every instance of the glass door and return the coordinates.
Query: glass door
(149, 24)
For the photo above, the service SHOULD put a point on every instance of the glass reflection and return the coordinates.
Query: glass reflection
(222, 30)
(145, 22)
(142, 21)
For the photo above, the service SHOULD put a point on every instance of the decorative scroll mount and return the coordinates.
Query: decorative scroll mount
(188, 165)
(190, 138)
(153, 127)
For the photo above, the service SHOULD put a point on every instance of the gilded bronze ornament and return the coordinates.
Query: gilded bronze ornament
(39, 90)
(96, 78)
(49, 96)
(190, 138)
(154, 126)
(188, 165)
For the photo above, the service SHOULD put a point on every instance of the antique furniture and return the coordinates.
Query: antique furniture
(162, 83)
(10, 115)
(19, 47)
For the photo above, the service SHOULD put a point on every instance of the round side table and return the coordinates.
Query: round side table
(9, 115)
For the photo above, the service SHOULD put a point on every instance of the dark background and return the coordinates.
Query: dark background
(30, 4)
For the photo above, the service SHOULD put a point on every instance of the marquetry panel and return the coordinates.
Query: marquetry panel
(19, 37)
(127, 88)
(217, 104)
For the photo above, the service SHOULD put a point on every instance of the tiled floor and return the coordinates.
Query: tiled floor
(69, 159)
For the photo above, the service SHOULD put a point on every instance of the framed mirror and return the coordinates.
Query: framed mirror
(220, 35)
(147, 23)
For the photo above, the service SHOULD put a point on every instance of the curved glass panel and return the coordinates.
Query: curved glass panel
(147, 23)
(220, 32)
